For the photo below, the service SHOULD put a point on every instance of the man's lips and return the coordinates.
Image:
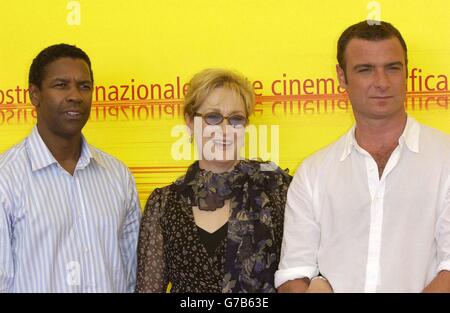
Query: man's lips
(73, 114)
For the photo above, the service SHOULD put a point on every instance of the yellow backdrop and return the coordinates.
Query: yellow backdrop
(143, 52)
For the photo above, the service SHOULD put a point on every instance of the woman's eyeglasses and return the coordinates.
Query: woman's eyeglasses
(215, 118)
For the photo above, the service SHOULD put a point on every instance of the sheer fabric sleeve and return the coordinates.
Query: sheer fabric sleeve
(152, 273)
(283, 181)
(443, 235)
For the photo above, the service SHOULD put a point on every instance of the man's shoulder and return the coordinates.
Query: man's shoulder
(329, 154)
(13, 157)
(434, 137)
(13, 166)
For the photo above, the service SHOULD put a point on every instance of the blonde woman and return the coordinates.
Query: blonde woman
(219, 227)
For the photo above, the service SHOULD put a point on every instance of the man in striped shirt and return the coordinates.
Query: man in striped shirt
(69, 213)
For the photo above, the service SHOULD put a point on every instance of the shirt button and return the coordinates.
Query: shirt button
(87, 250)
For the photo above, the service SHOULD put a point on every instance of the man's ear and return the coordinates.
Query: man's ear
(35, 94)
(341, 76)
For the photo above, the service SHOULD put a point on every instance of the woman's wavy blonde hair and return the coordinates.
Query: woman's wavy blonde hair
(204, 82)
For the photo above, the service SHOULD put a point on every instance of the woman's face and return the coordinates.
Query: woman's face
(220, 142)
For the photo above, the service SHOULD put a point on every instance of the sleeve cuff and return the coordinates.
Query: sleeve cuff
(444, 266)
(282, 276)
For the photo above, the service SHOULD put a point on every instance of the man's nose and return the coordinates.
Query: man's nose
(74, 94)
(381, 80)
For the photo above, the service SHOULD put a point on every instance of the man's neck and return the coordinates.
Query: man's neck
(380, 137)
(379, 134)
(66, 150)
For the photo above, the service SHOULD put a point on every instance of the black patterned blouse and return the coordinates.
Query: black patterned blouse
(170, 250)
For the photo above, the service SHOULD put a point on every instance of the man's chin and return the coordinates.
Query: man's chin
(69, 131)
(381, 114)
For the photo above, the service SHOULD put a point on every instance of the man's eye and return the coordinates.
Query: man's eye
(86, 87)
(60, 85)
(362, 70)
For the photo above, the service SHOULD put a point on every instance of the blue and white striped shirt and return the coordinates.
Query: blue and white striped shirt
(64, 233)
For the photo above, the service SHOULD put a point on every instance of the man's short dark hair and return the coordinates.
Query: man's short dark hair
(51, 54)
(371, 31)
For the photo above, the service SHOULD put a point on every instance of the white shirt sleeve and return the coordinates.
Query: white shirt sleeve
(301, 236)
(443, 235)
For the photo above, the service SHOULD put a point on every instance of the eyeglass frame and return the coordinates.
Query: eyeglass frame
(223, 118)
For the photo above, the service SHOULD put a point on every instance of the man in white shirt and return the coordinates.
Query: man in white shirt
(371, 212)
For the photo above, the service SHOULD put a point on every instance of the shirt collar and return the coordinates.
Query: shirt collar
(41, 157)
(409, 137)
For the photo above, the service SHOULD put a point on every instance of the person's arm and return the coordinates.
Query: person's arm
(130, 233)
(298, 285)
(301, 237)
(319, 284)
(441, 283)
(152, 275)
(6, 258)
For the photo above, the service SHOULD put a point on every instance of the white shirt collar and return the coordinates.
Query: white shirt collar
(41, 157)
(410, 137)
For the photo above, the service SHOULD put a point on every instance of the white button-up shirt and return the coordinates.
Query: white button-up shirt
(64, 233)
(365, 233)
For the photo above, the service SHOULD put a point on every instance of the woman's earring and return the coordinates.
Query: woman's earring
(190, 139)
